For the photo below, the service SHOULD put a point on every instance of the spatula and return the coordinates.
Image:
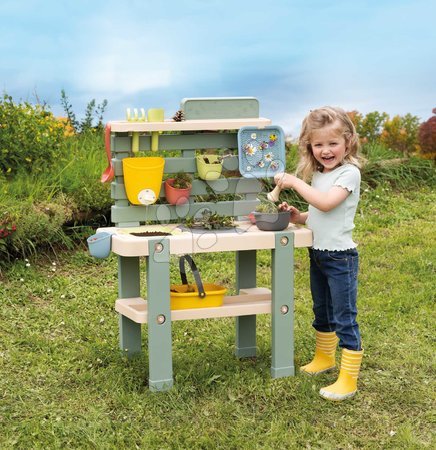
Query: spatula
(109, 172)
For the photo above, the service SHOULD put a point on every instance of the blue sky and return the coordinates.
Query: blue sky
(293, 55)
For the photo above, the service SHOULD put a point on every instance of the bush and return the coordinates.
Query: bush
(30, 136)
(427, 138)
(369, 127)
(36, 226)
(401, 134)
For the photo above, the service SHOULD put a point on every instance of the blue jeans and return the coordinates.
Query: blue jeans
(333, 283)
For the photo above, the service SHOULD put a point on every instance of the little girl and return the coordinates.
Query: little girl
(329, 156)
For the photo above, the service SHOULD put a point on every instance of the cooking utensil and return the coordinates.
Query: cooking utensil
(109, 172)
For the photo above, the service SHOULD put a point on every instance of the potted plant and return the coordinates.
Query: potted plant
(209, 167)
(178, 188)
(269, 217)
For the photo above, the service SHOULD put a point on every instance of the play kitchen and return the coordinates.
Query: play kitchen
(221, 150)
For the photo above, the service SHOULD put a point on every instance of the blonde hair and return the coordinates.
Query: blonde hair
(317, 119)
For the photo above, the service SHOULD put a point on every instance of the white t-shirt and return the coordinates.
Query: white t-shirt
(332, 230)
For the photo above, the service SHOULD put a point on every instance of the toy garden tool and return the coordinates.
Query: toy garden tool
(109, 173)
(135, 118)
(274, 195)
(155, 115)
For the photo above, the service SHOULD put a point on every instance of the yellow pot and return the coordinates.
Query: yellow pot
(143, 179)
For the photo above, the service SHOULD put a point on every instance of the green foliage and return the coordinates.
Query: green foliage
(182, 180)
(71, 190)
(370, 126)
(37, 225)
(399, 173)
(92, 112)
(401, 134)
(209, 221)
(266, 206)
(30, 136)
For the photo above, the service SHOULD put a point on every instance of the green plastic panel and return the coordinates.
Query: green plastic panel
(193, 141)
(199, 187)
(166, 212)
(220, 108)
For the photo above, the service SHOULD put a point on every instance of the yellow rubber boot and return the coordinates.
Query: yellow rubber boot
(346, 384)
(325, 350)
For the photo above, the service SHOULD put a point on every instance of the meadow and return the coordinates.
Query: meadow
(65, 384)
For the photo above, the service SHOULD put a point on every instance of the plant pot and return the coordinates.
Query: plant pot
(272, 221)
(99, 244)
(176, 196)
(143, 179)
(209, 170)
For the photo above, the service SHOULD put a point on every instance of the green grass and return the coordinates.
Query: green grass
(64, 384)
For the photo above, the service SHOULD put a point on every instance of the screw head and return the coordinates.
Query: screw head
(284, 309)
(284, 241)
(160, 319)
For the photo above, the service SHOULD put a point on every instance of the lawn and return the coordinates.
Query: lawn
(64, 384)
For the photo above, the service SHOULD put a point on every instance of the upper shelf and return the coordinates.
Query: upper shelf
(188, 125)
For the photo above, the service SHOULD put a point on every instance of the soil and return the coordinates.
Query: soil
(206, 160)
(151, 233)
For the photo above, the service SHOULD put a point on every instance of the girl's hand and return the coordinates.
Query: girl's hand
(296, 215)
(284, 180)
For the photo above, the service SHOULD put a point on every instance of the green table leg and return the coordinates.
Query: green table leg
(159, 316)
(129, 286)
(245, 325)
(282, 307)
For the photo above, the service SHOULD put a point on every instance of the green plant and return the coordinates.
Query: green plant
(370, 126)
(401, 134)
(265, 206)
(182, 180)
(30, 136)
(209, 221)
(92, 111)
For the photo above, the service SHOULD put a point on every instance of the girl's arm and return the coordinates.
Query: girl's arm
(324, 201)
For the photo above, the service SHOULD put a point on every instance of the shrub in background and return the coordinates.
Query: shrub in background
(36, 226)
(30, 136)
(401, 134)
(369, 127)
(427, 138)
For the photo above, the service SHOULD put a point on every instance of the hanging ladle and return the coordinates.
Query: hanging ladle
(109, 173)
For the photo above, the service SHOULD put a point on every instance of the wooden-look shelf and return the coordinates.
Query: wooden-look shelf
(245, 237)
(248, 302)
(188, 125)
